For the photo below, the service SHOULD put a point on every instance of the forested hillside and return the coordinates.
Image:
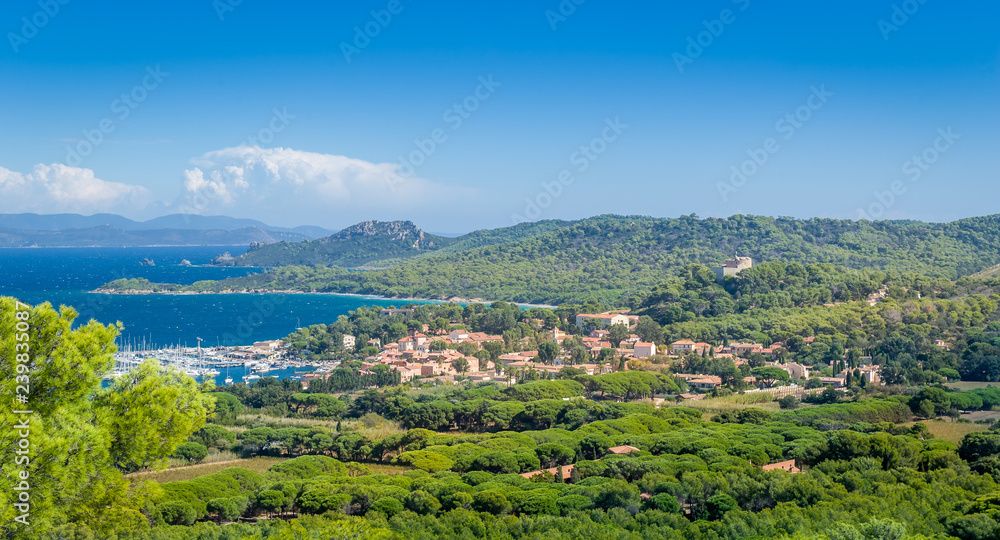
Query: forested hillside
(358, 245)
(374, 243)
(613, 258)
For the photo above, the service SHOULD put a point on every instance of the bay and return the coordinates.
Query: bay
(65, 276)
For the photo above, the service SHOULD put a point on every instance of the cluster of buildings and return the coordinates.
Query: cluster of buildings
(414, 356)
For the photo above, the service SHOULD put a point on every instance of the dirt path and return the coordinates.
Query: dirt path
(185, 468)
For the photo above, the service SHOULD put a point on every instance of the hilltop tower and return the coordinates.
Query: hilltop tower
(732, 267)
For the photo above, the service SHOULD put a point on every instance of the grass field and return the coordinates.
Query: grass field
(951, 431)
(177, 474)
(963, 386)
(378, 468)
(759, 400)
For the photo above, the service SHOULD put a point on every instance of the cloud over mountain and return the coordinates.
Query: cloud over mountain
(254, 178)
(59, 188)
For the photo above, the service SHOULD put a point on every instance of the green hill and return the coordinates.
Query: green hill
(358, 245)
(612, 258)
(378, 244)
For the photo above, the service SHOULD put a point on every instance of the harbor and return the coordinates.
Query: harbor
(226, 365)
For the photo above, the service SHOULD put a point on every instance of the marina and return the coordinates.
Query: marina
(226, 365)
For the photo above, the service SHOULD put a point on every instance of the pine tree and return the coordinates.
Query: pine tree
(559, 475)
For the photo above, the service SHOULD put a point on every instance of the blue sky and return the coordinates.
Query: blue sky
(260, 113)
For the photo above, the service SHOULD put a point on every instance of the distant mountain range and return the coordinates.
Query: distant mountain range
(111, 230)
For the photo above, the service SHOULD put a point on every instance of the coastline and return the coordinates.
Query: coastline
(451, 299)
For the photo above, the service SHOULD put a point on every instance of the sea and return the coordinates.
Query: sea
(66, 276)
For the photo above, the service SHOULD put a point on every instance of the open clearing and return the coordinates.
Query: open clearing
(951, 431)
(963, 386)
(177, 474)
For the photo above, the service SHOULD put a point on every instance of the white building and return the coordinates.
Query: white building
(605, 319)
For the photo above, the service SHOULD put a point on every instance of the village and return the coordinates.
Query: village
(447, 356)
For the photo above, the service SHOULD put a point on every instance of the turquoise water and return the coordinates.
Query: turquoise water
(65, 275)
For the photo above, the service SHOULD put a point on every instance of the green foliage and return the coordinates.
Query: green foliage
(191, 451)
(177, 513)
(537, 390)
(869, 410)
(83, 438)
(307, 467)
(428, 461)
(604, 257)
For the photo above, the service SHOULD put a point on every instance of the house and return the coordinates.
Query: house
(644, 349)
(705, 383)
(374, 342)
(682, 346)
(270, 345)
(870, 374)
(600, 334)
(701, 347)
(732, 267)
(796, 371)
(836, 382)
(605, 319)
(624, 449)
(391, 311)
(483, 337)
(742, 349)
(943, 344)
(456, 336)
(349, 342)
(407, 344)
(558, 335)
(788, 466)
(565, 471)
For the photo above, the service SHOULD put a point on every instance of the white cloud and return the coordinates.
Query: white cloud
(253, 180)
(56, 188)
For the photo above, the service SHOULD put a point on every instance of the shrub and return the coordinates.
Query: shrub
(664, 502)
(431, 462)
(788, 402)
(214, 436)
(224, 508)
(191, 451)
(572, 503)
(540, 501)
(317, 501)
(491, 502)
(422, 502)
(717, 505)
(388, 506)
(177, 513)
(270, 500)
(307, 467)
